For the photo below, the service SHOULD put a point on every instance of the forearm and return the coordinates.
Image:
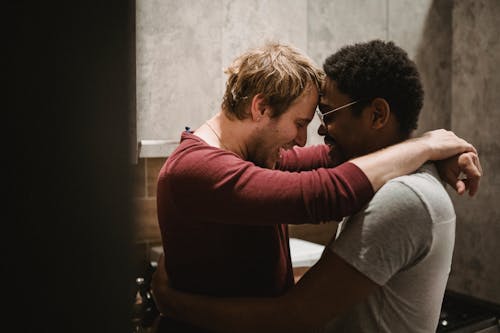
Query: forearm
(308, 158)
(393, 161)
(244, 315)
(407, 156)
(331, 287)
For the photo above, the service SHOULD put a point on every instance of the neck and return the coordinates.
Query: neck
(385, 137)
(231, 134)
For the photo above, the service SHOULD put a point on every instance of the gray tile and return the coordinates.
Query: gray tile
(407, 22)
(430, 47)
(333, 24)
(178, 65)
(250, 23)
(475, 116)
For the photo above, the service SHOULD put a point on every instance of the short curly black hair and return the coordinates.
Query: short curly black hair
(365, 71)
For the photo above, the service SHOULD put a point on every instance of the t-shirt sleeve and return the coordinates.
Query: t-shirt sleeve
(393, 232)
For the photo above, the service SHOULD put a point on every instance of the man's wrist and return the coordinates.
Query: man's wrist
(423, 148)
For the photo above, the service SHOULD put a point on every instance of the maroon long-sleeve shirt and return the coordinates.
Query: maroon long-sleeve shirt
(224, 220)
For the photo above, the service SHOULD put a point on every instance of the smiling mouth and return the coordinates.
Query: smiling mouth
(281, 148)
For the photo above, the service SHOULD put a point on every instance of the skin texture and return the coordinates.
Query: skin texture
(286, 131)
(345, 132)
(260, 137)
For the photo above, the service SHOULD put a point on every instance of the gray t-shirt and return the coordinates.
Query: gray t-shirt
(403, 241)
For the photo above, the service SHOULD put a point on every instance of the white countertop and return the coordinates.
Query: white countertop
(304, 253)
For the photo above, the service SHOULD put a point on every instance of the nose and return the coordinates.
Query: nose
(322, 130)
(301, 138)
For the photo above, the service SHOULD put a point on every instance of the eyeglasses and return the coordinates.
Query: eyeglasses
(322, 115)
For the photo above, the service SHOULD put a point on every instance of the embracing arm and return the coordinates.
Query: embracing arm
(456, 157)
(313, 196)
(409, 155)
(328, 289)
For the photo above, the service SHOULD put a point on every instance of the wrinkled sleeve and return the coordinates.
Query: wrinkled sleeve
(305, 158)
(242, 193)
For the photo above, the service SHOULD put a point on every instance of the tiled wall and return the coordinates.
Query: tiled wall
(146, 223)
(475, 92)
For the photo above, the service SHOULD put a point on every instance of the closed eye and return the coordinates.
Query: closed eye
(330, 117)
(324, 108)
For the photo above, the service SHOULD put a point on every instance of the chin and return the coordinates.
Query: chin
(338, 155)
(271, 162)
(268, 163)
(268, 160)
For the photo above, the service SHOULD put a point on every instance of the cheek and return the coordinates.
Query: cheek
(291, 135)
(292, 132)
(285, 134)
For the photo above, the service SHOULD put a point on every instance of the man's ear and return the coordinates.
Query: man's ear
(381, 113)
(258, 107)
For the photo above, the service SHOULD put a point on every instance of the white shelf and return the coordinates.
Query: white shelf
(157, 148)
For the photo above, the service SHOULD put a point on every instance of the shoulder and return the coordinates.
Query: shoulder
(195, 160)
(424, 190)
(396, 227)
(407, 205)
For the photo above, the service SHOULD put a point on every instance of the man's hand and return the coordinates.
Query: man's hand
(462, 172)
(457, 160)
(444, 144)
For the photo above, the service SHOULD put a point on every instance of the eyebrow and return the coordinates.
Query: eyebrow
(307, 120)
